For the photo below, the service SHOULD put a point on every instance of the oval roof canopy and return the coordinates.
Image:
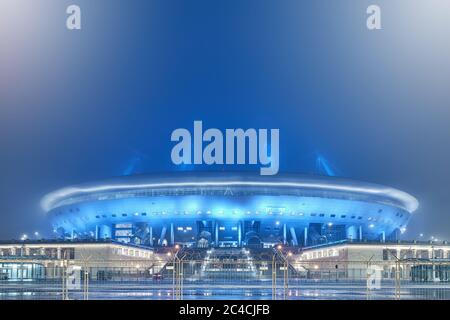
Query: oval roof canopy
(225, 179)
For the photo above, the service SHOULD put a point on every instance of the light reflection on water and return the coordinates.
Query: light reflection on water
(230, 291)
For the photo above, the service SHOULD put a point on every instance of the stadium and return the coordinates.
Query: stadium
(209, 235)
(229, 210)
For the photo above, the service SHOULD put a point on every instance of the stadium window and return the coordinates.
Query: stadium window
(321, 215)
(124, 214)
(98, 217)
(143, 214)
(343, 216)
(353, 217)
(313, 214)
(103, 215)
(332, 215)
(359, 218)
(113, 215)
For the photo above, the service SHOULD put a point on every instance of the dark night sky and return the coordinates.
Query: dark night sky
(77, 106)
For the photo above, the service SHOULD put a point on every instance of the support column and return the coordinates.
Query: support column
(239, 234)
(293, 236)
(360, 233)
(305, 237)
(216, 234)
(284, 233)
(383, 236)
(96, 232)
(172, 235)
(397, 234)
(151, 236)
(163, 235)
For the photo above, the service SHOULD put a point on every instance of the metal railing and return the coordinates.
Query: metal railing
(234, 277)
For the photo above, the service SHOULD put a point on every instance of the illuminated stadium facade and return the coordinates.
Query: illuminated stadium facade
(229, 210)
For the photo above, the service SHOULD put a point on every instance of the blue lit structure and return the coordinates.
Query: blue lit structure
(229, 209)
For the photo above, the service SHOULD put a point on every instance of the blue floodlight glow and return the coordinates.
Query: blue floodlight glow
(323, 165)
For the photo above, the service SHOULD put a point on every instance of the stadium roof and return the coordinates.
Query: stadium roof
(230, 179)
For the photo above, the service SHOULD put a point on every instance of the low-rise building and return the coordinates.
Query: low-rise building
(37, 259)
